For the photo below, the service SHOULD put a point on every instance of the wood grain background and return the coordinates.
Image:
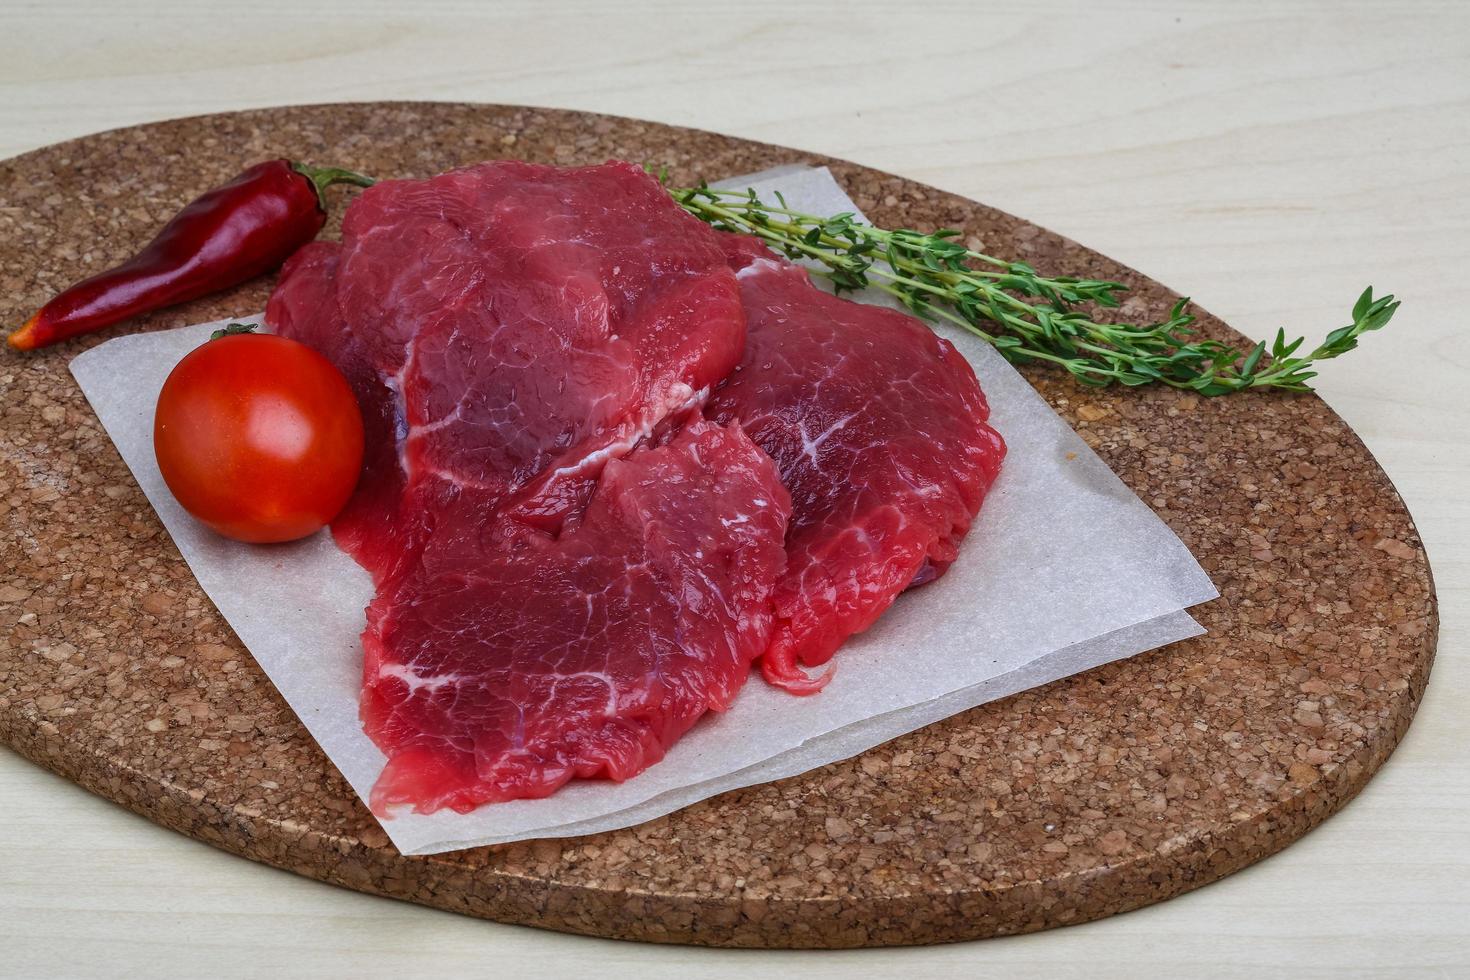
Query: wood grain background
(1268, 159)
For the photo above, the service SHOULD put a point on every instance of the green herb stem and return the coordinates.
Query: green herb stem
(1026, 316)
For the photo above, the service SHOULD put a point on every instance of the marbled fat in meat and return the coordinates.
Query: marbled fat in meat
(506, 671)
(879, 428)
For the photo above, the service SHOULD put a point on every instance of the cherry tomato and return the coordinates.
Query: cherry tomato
(258, 437)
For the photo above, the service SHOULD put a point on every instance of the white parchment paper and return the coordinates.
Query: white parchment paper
(1066, 569)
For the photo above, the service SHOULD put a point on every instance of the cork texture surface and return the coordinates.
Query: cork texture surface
(1093, 795)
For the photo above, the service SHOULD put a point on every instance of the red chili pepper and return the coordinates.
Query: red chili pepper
(230, 234)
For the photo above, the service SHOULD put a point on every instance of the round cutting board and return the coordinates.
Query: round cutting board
(1093, 795)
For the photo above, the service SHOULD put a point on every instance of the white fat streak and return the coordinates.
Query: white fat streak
(681, 398)
(595, 460)
(454, 416)
(417, 682)
(611, 705)
(759, 265)
(810, 446)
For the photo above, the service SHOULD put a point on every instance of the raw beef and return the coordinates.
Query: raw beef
(505, 672)
(576, 550)
(551, 601)
(878, 427)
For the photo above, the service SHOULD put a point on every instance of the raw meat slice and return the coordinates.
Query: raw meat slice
(535, 319)
(514, 332)
(502, 673)
(878, 426)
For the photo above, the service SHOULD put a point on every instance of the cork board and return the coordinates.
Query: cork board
(1094, 795)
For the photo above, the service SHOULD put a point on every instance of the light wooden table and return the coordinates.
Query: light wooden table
(1268, 159)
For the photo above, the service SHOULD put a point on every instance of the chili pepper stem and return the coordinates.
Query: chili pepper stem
(323, 177)
(25, 338)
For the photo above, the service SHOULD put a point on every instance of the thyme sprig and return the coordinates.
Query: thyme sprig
(1026, 316)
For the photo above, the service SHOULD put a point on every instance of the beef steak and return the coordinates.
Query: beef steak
(878, 426)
